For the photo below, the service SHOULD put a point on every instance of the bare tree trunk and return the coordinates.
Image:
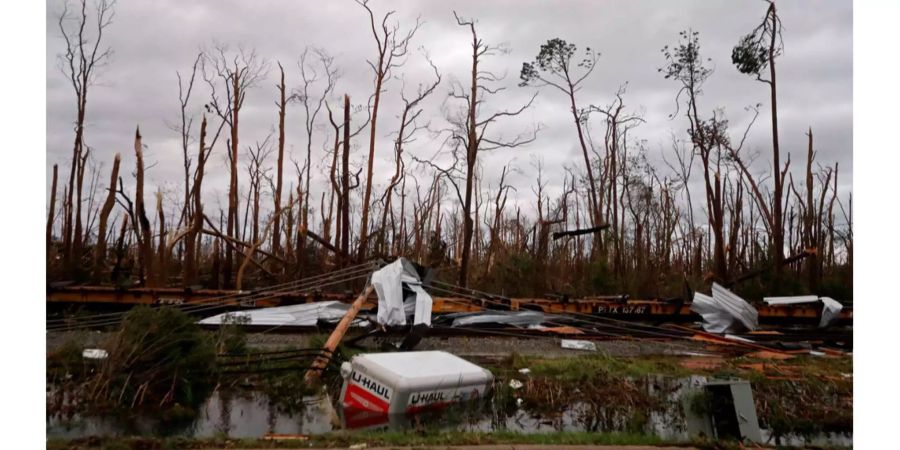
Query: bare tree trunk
(471, 154)
(52, 212)
(778, 228)
(389, 46)
(367, 195)
(276, 226)
(146, 233)
(345, 185)
(190, 264)
(100, 248)
(78, 234)
(162, 254)
(233, 226)
(809, 235)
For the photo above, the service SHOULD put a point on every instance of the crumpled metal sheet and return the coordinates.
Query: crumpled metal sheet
(830, 309)
(720, 311)
(303, 315)
(715, 320)
(793, 300)
(575, 344)
(389, 282)
(736, 306)
(515, 318)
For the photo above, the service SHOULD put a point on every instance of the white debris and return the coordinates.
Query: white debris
(526, 319)
(830, 310)
(797, 299)
(525, 371)
(389, 282)
(736, 306)
(576, 344)
(720, 311)
(515, 384)
(830, 307)
(303, 315)
(715, 320)
(94, 353)
(737, 338)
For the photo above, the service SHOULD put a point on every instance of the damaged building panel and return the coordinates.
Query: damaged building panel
(394, 284)
(302, 315)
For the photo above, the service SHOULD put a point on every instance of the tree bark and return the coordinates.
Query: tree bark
(345, 185)
(100, 248)
(146, 233)
(276, 226)
(52, 212)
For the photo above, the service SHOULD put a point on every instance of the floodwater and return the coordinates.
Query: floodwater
(251, 414)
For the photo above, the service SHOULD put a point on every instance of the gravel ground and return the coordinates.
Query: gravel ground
(465, 346)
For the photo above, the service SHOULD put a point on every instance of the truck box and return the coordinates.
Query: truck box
(382, 384)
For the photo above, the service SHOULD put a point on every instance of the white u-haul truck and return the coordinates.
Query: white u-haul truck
(381, 387)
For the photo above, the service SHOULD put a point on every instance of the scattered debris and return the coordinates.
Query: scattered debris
(302, 315)
(575, 344)
(398, 285)
(565, 329)
(734, 410)
(793, 300)
(525, 371)
(514, 318)
(721, 310)
(764, 354)
(738, 338)
(830, 310)
(562, 234)
(285, 437)
(702, 363)
(94, 353)
(736, 306)
(714, 319)
(515, 384)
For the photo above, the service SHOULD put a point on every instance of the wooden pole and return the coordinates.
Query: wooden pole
(331, 344)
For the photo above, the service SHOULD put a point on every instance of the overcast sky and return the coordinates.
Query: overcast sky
(154, 39)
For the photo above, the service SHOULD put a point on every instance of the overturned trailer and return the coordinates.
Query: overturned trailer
(379, 387)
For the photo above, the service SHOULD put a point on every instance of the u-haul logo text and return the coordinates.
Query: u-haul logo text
(371, 385)
(427, 397)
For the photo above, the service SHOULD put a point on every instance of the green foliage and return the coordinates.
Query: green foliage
(599, 277)
(750, 56)
(555, 57)
(700, 402)
(804, 406)
(684, 63)
(231, 338)
(512, 270)
(159, 357)
(67, 360)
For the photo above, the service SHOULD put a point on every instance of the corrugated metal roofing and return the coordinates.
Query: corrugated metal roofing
(791, 300)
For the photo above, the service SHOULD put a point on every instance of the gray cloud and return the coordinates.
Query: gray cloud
(153, 40)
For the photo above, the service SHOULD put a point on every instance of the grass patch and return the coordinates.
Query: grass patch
(412, 438)
(586, 366)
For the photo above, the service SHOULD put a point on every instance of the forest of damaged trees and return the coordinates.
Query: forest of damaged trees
(753, 225)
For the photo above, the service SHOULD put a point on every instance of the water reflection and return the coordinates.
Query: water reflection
(249, 414)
